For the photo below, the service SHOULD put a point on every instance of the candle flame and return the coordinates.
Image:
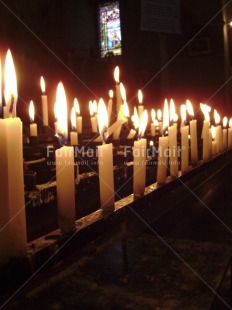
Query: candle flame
(135, 118)
(55, 112)
(42, 84)
(91, 112)
(151, 143)
(225, 121)
(172, 110)
(165, 116)
(205, 110)
(159, 114)
(143, 123)
(213, 132)
(189, 107)
(216, 117)
(153, 115)
(126, 111)
(123, 92)
(183, 110)
(61, 110)
(10, 92)
(76, 106)
(73, 119)
(95, 107)
(230, 123)
(31, 111)
(102, 119)
(116, 74)
(111, 94)
(140, 96)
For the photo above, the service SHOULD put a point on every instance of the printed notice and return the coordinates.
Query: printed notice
(161, 16)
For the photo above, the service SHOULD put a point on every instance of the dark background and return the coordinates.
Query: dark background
(59, 40)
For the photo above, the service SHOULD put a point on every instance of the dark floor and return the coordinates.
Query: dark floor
(176, 263)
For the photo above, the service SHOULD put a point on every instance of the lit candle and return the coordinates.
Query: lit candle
(214, 142)
(205, 130)
(184, 140)
(139, 153)
(110, 105)
(33, 126)
(224, 133)
(73, 133)
(159, 116)
(93, 118)
(55, 123)
(230, 134)
(163, 149)
(140, 107)
(13, 239)
(116, 134)
(172, 142)
(65, 181)
(153, 126)
(79, 118)
(44, 102)
(117, 86)
(218, 131)
(105, 162)
(193, 134)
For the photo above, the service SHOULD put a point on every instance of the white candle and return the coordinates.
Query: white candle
(205, 137)
(110, 104)
(105, 163)
(44, 102)
(64, 168)
(230, 134)
(218, 131)
(214, 142)
(153, 128)
(140, 107)
(173, 152)
(65, 188)
(193, 141)
(33, 126)
(79, 118)
(184, 148)
(131, 134)
(224, 134)
(12, 205)
(73, 133)
(106, 176)
(162, 160)
(139, 171)
(13, 239)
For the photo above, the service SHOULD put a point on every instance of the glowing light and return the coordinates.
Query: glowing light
(189, 107)
(126, 111)
(123, 92)
(31, 111)
(116, 74)
(102, 119)
(216, 117)
(225, 121)
(140, 96)
(42, 85)
(73, 119)
(11, 92)
(165, 116)
(76, 106)
(143, 123)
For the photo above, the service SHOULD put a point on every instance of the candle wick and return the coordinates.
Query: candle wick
(11, 106)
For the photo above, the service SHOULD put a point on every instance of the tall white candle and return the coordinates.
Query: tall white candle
(140, 106)
(110, 105)
(105, 162)
(225, 133)
(184, 148)
(73, 133)
(33, 126)
(13, 239)
(64, 168)
(193, 134)
(139, 170)
(230, 134)
(44, 102)
(214, 142)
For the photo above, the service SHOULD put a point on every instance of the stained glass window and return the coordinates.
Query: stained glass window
(110, 29)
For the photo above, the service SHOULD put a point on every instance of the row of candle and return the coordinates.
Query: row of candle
(12, 209)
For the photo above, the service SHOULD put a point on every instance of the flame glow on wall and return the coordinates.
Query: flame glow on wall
(110, 29)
